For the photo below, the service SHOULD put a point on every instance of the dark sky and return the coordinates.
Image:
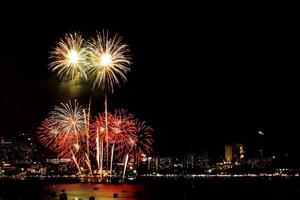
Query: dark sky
(201, 77)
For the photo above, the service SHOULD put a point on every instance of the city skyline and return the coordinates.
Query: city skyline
(25, 152)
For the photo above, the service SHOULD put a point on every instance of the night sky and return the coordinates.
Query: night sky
(201, 79)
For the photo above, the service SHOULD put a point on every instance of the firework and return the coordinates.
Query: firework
(121, 130)
(67, 132)
(70, 117)
(49, 133)
(69, 57)
(127, 136)
(109, 61)
(144, 140)
(74, 149)
(141, 144)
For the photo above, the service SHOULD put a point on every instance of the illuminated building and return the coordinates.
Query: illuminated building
(260, 143)
(239, 153)
(235, 153)
(228, 153)
(56, 166)
(24, 148)
(6, 151)
(19, 150)
(189, 161)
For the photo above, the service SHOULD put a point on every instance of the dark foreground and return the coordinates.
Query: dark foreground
(155, 189)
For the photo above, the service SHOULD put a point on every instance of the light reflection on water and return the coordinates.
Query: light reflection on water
(99, 191)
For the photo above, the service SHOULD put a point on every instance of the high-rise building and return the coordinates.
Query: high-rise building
(260, 143)
(6, 151)
(235, 153)
(239, 153)
(228, 153)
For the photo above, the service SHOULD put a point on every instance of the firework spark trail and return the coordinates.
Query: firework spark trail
(101, 157)
(97, 134)
(88, 128)
(88, 162)
(125, 166)
(75, 160)
(106, 129)
(87, 131)
(112, 158)
(97, 149)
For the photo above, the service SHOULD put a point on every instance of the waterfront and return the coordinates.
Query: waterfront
(74, 191)
(159, 188)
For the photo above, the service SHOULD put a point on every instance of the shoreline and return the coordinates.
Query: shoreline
(150, 179)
